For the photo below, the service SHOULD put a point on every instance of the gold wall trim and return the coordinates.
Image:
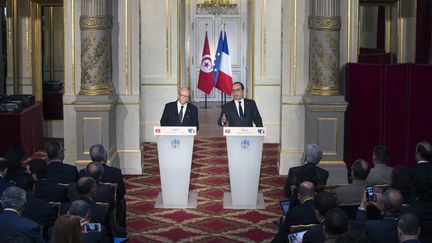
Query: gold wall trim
(158, 84)
(95, 22)
(15, 46)
(126, 48)
(128, 150)
(332, 162)
(36, 50)
(349, 30)
(150, 123)
(27, 45)
(73, 47)
(166, 36)
(265, 85)
(324, 23)
(271, 123)
(253, 48)
(290, 151)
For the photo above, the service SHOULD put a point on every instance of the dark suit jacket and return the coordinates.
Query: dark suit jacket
(4, 183)
(379, 231)
(13, 173)
(50, 191)
(251, 115)
(60, 172)
(314, 235)
(103, 193)
(96, 237)
(39, 211)
(322, 176)
(301, 214)
(170, 116)
(111, 175)
(12, 224)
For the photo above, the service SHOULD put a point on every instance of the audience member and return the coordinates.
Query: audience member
(381, 172)
(352, 193)
(422, 208)
(4, 183)
(81, 209)
(403, 180)
(104, 192)
(44, 189)
(12, 224)
(305, 173)
(67, 229)
(301, 214)
(423, 156)
(15, 158)
(58, 171)
(36, 209)
(110, 175)
(408, 227)
(335, 224)
(390, 203)
(312, 157)
(352, 236)
(323, 202)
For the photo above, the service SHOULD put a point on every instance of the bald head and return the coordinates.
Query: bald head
(94, 170)
(392, 200)
(423, 151)
(306, 189)
(86, 186)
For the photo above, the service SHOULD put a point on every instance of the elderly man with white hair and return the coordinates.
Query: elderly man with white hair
(312, 156)
(12, 225)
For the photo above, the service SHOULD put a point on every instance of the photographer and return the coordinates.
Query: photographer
(384, 230)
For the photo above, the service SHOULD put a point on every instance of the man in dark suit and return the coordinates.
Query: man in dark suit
(82, 210)
(4, 183)
(240, 112)
(58, 171)
(384, 230)
(36, 209)
(312, 157)
(44, 189)
(423, 156)
(301, 214)
(12, 225)
(104, 192)
(335, 224)
(323, 202)
(110, 175)
(180, 112)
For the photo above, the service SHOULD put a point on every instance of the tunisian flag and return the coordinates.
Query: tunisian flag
(206, 78)
(225, 80)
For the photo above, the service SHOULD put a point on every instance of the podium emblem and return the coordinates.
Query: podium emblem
(245, 143)
(175, 143)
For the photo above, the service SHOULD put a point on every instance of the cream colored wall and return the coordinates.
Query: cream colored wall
(159, 60)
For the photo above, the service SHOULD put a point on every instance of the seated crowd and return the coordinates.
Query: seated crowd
(398, 209)
(48, 200)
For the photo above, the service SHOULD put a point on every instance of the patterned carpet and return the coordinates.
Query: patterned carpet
(209, 222)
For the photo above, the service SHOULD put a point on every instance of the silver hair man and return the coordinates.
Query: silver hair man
(14, 197)
(313, 154)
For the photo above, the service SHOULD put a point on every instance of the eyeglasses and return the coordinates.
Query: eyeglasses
(184, 96)
(236, 90)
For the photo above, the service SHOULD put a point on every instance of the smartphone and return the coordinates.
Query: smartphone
(92, 227)
(369, 193)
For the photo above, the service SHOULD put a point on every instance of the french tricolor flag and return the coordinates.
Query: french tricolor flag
(224, 79)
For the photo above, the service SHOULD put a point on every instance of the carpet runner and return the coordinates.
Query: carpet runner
(209, 222)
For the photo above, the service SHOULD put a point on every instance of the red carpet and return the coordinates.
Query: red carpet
(209, 222)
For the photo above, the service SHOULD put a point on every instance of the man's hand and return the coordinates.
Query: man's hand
(224, 119)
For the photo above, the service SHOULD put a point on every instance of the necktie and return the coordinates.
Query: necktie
(181, 115)
(240, 110)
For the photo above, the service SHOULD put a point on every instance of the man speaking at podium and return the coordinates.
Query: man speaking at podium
(240, 112)
(180, 112)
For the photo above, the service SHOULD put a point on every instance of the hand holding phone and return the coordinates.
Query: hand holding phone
(369, 193)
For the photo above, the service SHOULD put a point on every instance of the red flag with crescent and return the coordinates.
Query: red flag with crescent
(206, 77)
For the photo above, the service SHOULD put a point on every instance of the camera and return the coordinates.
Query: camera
(369, 193)
(92, 227)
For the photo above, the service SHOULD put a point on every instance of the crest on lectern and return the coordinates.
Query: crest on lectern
(245, 143)
(175, 143)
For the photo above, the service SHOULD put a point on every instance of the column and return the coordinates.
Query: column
(95, 104)
(324, 106)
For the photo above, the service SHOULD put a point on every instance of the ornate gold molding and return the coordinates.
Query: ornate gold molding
(324, 23)
(95, 22)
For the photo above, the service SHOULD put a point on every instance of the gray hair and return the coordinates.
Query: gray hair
(98, 153)
(13, 197)
(312, 153)
(79, 208)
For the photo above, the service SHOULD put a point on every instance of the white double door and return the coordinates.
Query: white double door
(235, 25)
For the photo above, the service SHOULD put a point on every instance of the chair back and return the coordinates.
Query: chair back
(300, 227)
